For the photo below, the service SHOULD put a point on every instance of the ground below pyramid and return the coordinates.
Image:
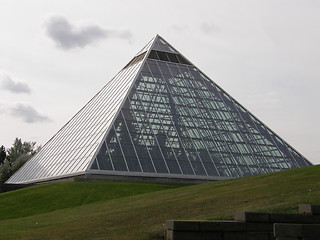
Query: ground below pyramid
(125, 217)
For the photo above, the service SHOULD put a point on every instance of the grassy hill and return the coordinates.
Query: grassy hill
(51, 197)
(138, 211)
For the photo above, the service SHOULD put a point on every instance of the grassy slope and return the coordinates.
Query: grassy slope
(51, 197)
(141, 216)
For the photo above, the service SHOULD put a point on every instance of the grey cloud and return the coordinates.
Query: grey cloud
(67, 35)
(27, 113)
(209, 28)
(7, 83)
(180, 28)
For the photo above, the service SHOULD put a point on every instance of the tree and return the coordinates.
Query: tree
(5, 171)
(19, 149)
(2, 154)
(15, 157)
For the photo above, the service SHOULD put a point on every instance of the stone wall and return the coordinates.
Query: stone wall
(251, 226)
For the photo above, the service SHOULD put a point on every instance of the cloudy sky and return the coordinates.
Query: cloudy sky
(55, 55)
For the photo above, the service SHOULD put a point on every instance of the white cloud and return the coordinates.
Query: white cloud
(8, 83)
(67, 35)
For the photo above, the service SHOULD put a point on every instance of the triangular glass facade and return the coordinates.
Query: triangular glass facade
(162, 117)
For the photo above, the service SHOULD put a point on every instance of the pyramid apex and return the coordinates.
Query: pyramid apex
(160, 44)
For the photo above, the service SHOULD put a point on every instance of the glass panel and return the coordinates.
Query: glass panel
(103, 158)
(94, 165)
(116, 153)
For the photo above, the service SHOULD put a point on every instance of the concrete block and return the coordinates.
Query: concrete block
(315, 219)
(234, 236)
(271, 236)
(287, 230)
(183, 225)
(245, 236)
(168, 234)
(276, 217)
(176, 235)
(287, 238)
(290, 218)
(311, 231)
(252, 217)
(222, 226)
(259, 227)
(309, 209)
(258, 236)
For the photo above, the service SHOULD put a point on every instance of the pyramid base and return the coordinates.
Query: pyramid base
(100, 175)
(146, 177)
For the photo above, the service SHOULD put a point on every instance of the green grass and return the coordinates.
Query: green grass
(142, 216)
(51, 197)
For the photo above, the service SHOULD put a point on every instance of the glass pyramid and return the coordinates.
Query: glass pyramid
(161, 117)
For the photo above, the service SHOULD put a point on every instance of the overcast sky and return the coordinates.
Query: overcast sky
(56, 55)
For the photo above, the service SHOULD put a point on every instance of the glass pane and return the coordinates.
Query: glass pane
(103, 158)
